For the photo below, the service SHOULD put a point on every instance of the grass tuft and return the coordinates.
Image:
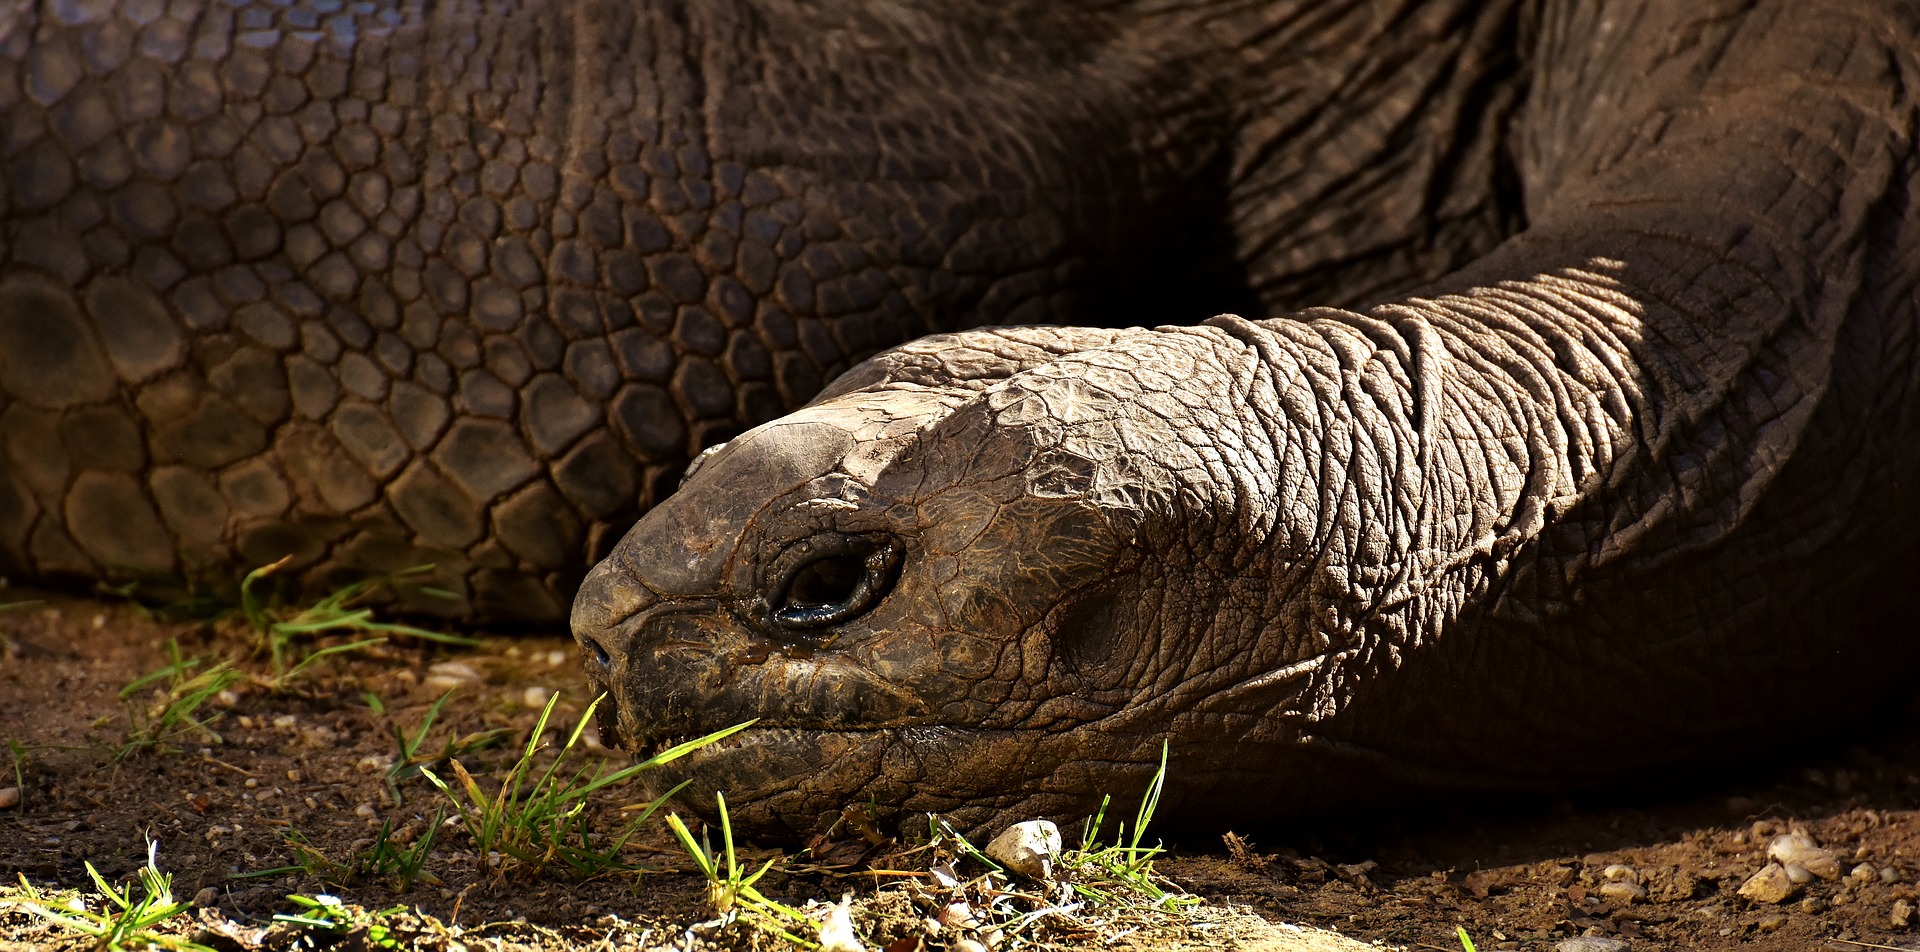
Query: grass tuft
(328, 914)
(400, 863)
(173, 715)
(1096, 889)
(411, 762)
(535, 822)
(731, 892)
(130, 916)
(279, 630)
(1100, 873)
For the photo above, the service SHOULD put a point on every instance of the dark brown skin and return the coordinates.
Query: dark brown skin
(468, 284)
(1632, 488)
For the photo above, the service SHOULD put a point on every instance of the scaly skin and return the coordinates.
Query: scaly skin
(1633, 488)
(382, 284)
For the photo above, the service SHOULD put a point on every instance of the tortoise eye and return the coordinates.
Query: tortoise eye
(834, 579)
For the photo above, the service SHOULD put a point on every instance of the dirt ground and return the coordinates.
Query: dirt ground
(1658, 870)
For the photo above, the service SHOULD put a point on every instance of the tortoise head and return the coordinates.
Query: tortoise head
(919, 594)
(987, 575)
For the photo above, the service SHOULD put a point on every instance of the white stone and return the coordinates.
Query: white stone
(1028, 849)
(448, 675)
(1799, 849)
(1618, 872)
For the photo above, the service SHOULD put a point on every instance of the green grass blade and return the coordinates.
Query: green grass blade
(322, 654)
(726, 836)
(678, 751)
(694, 850)
(250, 604)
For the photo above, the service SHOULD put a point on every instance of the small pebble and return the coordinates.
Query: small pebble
(1889, 875)
(448, 675)
(1618, 872)
(1592, 943)
(1772, 923)
(1028, 849)
(536, 697)
(319, 735)
(364, 809)
(968, 945)
(1902, 915)
(1622, 892)
(1863, 874)
(1770, 885)
(206, 897)
(9, 797)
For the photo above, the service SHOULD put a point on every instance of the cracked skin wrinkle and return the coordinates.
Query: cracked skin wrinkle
(1564, 425)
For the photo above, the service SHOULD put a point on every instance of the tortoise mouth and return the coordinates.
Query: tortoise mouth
(647, 746)
(787, 784)
(782, 782)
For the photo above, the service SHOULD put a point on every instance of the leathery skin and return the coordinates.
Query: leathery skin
(1628, 491)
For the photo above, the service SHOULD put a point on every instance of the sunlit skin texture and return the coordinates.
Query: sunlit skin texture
(1634, 487)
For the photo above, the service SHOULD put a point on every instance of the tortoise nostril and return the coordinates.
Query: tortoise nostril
(598, 651)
